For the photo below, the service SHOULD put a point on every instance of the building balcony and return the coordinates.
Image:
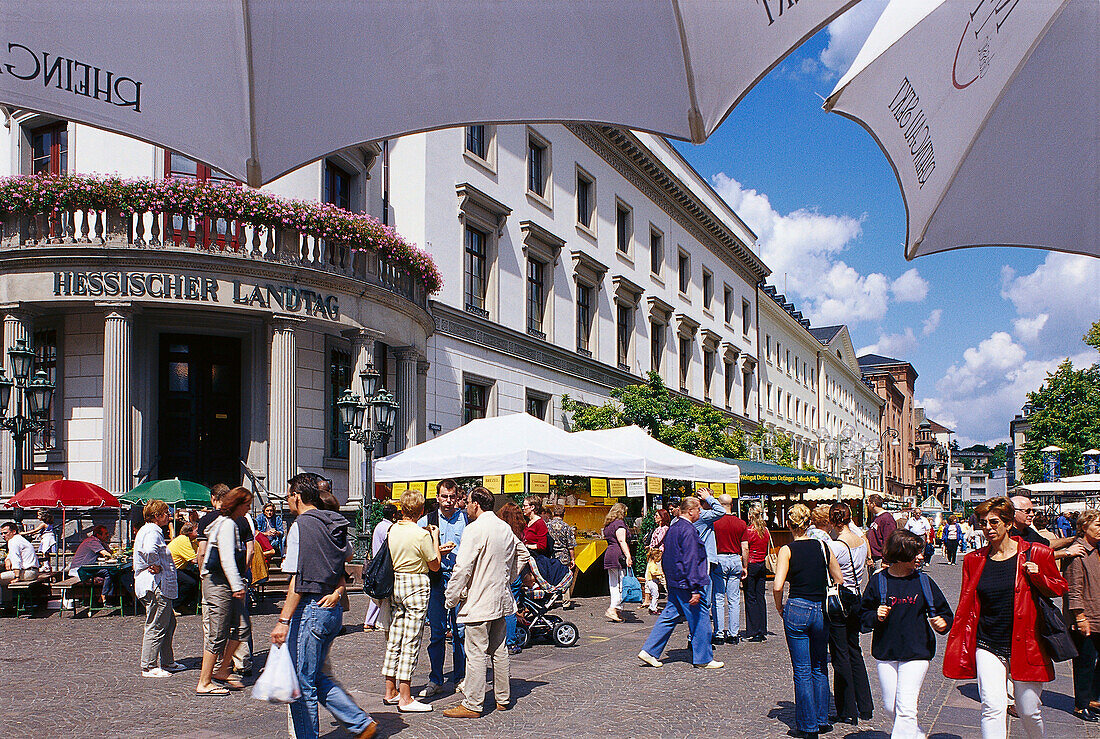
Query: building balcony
(40, 214)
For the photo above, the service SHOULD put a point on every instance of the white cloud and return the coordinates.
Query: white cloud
(990, 361)
(932, 322)
(1027, 329)
(910, 287)
(803, 249)
(847, 34)
(892, 345)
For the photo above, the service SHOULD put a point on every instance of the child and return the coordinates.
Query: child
(654, 577)
(901, 606)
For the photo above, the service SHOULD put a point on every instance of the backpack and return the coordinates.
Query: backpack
(926, 590)
(378, 575)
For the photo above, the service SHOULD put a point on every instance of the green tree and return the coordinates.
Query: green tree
(1092, 336)
(1066, 414)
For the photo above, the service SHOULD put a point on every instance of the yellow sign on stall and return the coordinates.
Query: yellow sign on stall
(398, 488)
(417, 487)
(618, 488)
(733, 490)
(514, 483)
(491, 483)
(653, 485)
(430, 490)
(540, 484)
(599, 487)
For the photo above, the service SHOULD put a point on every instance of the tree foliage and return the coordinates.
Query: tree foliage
(1092, 337)
(1066, 414)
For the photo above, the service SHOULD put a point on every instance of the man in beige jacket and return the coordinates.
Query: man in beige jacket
(489, 559)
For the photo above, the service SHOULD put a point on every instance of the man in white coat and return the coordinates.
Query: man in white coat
(489, 559)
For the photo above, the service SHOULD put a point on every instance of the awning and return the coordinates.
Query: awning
(847, 491)
(761, 473)
(661, 460)
(506, 445)
(1076, 484)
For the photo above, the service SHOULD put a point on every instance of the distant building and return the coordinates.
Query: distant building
(933, 459)
(1018, 429)
(894, 380)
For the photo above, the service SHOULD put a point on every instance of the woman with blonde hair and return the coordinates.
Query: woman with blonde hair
(756, 576)
(617, 558)
(807, 564)
(414, 551)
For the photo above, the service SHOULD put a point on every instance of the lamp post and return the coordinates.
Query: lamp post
(33, 396)
(834, 449)
(864, 460)
(369, 421)
(892, 434)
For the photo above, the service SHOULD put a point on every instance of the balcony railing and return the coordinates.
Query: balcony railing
(164, 230)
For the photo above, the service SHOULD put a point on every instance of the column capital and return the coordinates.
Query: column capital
(118, 308)
(422, 366)
(17, 311)
(362, 336)
(406, 352)
(284, 322)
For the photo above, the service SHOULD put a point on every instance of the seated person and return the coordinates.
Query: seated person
(21, 562)
(92, 551)
(270, 524)
(186, 559)
(261, 558)
(47, 539)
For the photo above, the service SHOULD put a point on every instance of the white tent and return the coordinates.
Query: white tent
(1080, 484)
(661, 460)
(508, 445)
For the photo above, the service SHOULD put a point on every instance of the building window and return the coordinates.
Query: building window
(656, 345)
(746, 316)
(536, 406)
(178, 165)
(476, 143)
(708, 289)
(769, 397)
(787, 362)
(45, 359)
(50, 149)
(624, 228)
(337, 189)
(339, 373)
(538, 166)
(708, 371)
(475, 401)
(624, 324)
(476, 274)
(199, 230)
(586, 202)
(584, 319)
(728, 370)
(536, 298)
(656, 251)
(683, 268)
(727, 304)
(685, 362)
(746, 391)
(768, 348)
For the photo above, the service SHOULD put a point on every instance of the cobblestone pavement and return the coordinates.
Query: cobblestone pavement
(65, 677)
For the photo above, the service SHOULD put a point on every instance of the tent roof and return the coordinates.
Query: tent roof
(661, 460)
(1072, 484)
(762, 473)
(507, 445)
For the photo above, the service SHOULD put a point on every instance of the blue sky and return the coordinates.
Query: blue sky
(981, 326)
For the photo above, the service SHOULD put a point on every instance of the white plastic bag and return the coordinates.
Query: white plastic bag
(278, 683)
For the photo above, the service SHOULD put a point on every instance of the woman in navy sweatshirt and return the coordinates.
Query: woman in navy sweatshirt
(901, 607)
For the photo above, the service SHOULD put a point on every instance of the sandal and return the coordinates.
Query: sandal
(229, 684)
(216, 690)
(391, 701)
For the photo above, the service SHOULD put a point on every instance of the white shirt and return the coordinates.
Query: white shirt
(47, 543)
(290, 550)
(21, 554)
(919, 526)
(150, 549)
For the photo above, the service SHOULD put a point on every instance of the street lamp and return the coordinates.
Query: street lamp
(864, 460)
(32, 394)
(891, 434)
(369, 421)
(834, 449)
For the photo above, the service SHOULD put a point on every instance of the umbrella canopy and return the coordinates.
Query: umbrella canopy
(661, 460)
(63, 494)
(990, 118)
(173, 491)
(384, 68)
(508, 445)
(762, 473)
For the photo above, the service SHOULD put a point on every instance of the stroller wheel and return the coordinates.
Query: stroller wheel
(565, 634)
(523, 636)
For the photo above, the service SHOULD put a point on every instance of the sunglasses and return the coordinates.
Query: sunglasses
(990, 522)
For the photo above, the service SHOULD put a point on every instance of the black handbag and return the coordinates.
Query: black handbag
(840, 601)
(1050, 626)
(378, 574)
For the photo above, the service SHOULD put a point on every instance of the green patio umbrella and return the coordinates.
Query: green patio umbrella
(173, 492)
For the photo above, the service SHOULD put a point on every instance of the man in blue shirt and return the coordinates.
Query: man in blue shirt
(710, 512)
(451, 521)
(1063, 525)
(687, 577)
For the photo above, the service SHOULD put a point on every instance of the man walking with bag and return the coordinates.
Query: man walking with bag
(489, 559)
(311, 617)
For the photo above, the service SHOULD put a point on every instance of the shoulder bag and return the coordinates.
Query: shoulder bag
(1050, 626)
(840, 601)
(771, 560)
(378, 574)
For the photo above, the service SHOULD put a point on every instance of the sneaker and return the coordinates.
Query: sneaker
(175, 667)
(649, 659)
(712, 665)
(732, 638)
(429, 690)
(156, 672)
(514, 650)
(414, 707)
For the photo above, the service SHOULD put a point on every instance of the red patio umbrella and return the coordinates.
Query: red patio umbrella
(63, 494)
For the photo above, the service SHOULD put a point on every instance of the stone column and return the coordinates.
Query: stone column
(118, 411)
(404, 432)
(362, 353)
(282, 421)
(17, 325)
(422, 400)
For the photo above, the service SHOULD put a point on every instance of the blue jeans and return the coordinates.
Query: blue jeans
(808, 643)
(713, 583)
(510, 621)
(727, 594)
(439, 620)
(312, 631)
(679, 609)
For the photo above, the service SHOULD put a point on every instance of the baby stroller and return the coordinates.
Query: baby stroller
(533, 618)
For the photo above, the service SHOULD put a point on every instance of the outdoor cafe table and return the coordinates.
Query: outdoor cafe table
(87, 572)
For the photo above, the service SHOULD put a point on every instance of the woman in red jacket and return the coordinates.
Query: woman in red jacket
(994, 635)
